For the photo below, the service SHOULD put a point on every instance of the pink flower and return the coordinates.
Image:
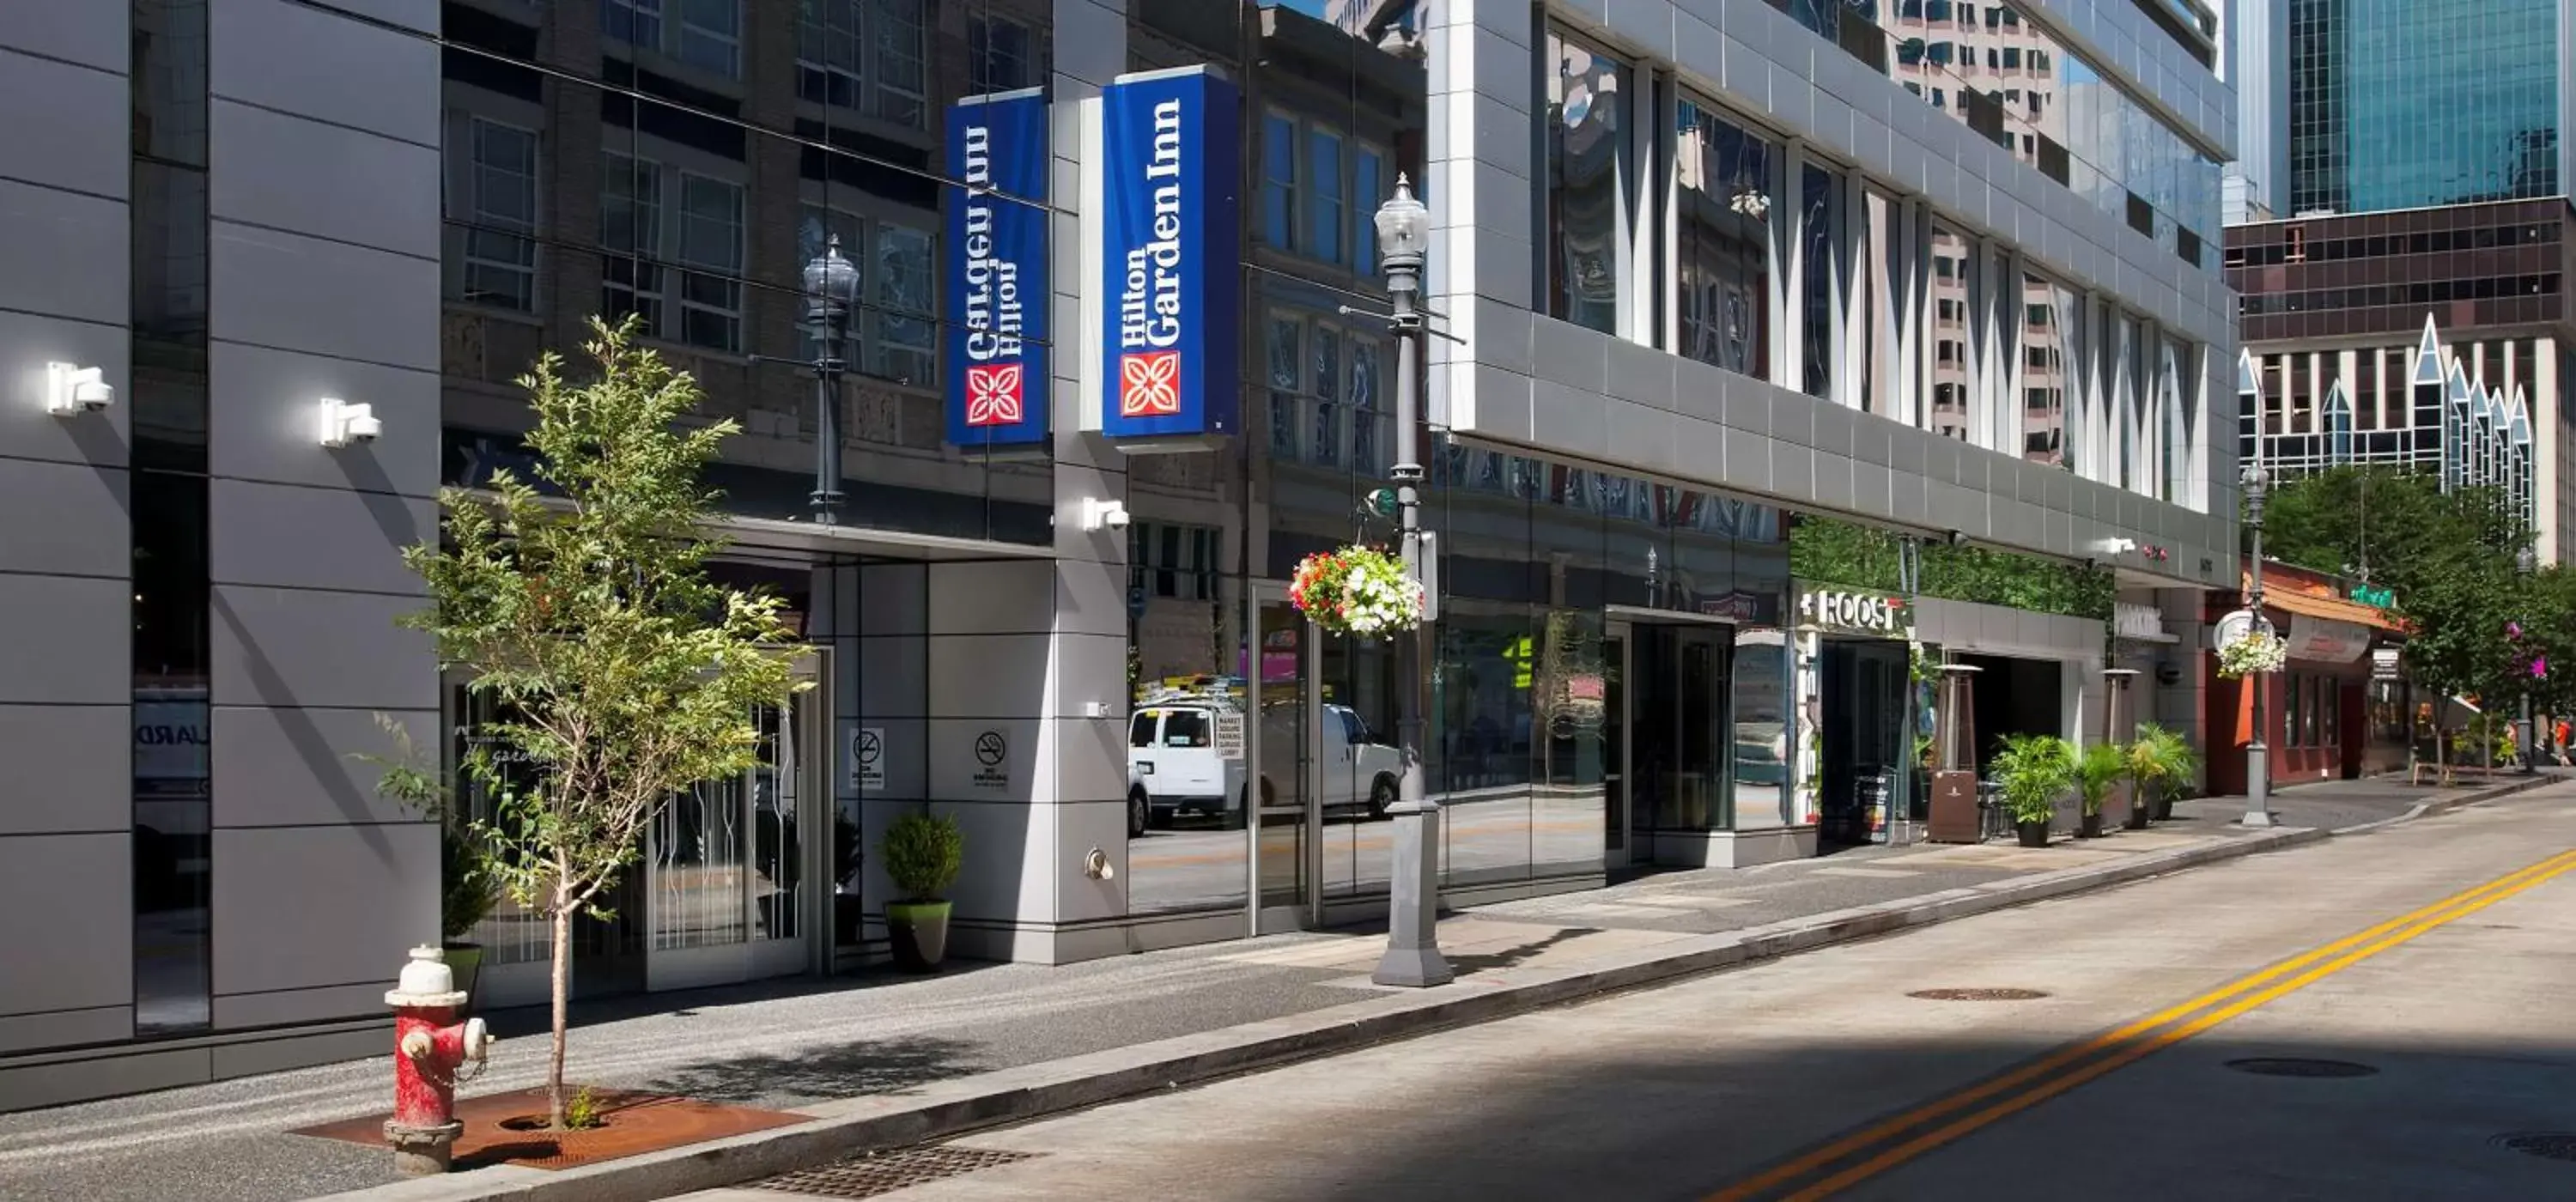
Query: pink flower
(2540, 667)
(2513, 630)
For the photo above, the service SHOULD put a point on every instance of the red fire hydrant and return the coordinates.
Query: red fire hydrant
(430, 1047)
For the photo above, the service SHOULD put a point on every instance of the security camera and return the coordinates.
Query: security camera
(1116, 518)
(365, 427)
(70, 389)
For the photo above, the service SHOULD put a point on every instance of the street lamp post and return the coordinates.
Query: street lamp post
(831, 288)
(1413, 917)
(2525, 562)
(2258, 754)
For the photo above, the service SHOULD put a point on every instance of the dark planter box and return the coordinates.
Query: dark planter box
(2033, 834)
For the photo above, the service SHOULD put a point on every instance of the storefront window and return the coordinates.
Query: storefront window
(1586, 128)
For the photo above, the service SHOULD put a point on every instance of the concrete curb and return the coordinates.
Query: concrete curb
(847, 1128)
(2444, 805)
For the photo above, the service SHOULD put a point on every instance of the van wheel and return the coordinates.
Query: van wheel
(1381, 796)
(1138, 812)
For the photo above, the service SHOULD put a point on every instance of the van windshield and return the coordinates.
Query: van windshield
(1140, 731)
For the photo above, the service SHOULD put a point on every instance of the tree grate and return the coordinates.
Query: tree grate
(2294, 1066)
(885, 1172)
(2548, 1145)
(1978, 995)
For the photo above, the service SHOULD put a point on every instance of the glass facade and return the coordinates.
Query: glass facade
(2017, 84)
(2399, 104)
(722, 144)
(1920, 321)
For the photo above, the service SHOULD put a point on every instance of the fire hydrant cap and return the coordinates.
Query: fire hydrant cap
(426, 981)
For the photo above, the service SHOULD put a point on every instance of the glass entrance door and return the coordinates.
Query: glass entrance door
(1677, 775)
(732, 885)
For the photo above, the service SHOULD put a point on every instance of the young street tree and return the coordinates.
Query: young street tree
(580, 604)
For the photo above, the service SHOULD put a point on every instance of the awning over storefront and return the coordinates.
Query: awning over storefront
(2330, 608)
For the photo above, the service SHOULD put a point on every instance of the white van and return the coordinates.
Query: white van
(1186, 757)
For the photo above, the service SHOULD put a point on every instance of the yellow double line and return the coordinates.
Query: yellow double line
(1886, 1145)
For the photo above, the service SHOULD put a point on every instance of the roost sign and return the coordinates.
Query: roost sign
(1836, 609)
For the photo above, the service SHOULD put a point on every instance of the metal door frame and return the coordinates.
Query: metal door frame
(1307, 911)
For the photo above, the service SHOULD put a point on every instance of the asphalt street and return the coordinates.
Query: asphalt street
(2381, 1016)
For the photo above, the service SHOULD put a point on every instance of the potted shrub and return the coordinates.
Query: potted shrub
(2032, 770)
(922, 854)
(467, 891)
(2097, 771)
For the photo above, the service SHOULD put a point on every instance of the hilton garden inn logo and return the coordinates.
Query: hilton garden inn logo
(994, 313)
(1149, 304)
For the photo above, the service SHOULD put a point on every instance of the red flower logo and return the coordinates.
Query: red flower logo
(993, 396)
(1149, 385)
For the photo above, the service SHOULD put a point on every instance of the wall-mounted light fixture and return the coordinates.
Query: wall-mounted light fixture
(343, 423)
(71, 389)
(1098, 514)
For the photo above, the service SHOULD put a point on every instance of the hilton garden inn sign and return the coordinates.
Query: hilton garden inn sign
(1171, 255)
(997, 270)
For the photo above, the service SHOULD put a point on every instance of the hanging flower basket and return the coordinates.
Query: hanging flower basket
(1357, 591)
(2252, 653)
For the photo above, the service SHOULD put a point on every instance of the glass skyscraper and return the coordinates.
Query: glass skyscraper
(2397, 104)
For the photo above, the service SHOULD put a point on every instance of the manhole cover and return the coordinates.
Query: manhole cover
(2293, 1066)
(886, 1172)
(1977, 995)
(2552, 1145)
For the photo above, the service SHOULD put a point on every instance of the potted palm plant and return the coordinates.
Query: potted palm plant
(2098, 771)
(2161, 761)
(922, 854)
(2032, 771)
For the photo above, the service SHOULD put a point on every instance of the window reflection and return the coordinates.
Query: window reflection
(1725, 241)
(1586, 129)
(1186, 737)
(1820, 221)
(1951, 334)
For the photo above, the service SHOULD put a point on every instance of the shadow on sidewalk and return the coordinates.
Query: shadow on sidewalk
(842, 1070)
(522, 1022)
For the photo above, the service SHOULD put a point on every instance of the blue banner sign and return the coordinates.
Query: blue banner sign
(997, 270)
(1171, 254)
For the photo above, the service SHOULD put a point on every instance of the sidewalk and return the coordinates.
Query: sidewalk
(880, 1043)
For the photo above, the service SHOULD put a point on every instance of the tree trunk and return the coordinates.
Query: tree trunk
(562, 979)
